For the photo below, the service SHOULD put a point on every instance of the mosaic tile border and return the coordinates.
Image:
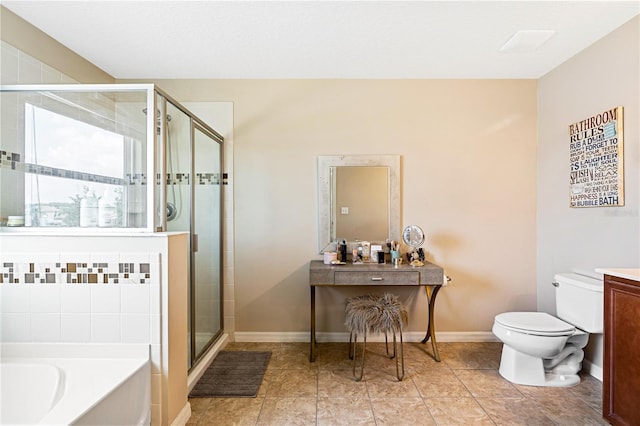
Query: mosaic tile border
(136, 179)
(75, 273)
(11, 160)
(177, 179)
(207, 179)
(201, 179)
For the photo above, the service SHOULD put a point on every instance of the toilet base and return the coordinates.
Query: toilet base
(524, 369)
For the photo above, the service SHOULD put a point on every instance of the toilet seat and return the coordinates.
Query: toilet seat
(535, 323)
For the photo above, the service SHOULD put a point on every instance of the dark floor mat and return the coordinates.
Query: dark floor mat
(233, 374)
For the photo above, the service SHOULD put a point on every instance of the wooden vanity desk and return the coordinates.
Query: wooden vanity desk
(429, 276)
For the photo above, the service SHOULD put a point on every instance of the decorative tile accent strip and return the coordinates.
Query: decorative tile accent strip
(174, 179)
(11, 160)
(201, 179)
(178, 179)
(75, 273)
(38, 169)
(136, 178)
(208, 178)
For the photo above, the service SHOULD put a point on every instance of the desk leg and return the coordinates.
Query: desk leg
(432, 292)
(312, 340)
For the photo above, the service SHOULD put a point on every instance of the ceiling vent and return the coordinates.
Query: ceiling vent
(526, 41)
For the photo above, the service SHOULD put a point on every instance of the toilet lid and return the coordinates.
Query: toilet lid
(539, 323)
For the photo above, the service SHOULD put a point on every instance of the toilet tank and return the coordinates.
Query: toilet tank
(579, 301)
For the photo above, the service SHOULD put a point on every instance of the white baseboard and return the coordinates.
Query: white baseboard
(207, 359)
(256, 336)
(411, 336)
(183, 416)
(592, 369)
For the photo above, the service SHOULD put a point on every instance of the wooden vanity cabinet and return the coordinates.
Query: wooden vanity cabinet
(621, 386)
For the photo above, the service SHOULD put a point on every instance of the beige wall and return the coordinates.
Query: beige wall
(32, 42)
(603, 76)
(490, 200)
(468, 152)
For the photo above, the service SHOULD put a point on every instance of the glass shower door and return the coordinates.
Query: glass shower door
(178, 181)
(193, 198)
(206, 290)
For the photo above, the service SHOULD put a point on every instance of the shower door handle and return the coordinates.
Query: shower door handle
(195, 243)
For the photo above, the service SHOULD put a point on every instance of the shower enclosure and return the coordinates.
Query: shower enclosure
(100, 159)
(193, 200)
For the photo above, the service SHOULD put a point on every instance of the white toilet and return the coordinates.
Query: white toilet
(542, 350)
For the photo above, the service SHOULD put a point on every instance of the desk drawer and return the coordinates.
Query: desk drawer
(377, 278)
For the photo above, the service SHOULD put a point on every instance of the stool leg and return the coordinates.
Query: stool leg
(364, 349)
(386, 346)
(398, 375)
(352, 349)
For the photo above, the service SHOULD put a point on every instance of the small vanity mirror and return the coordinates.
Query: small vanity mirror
(359, 198)
(413, 236)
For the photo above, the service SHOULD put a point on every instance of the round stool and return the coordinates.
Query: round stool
(375, 314)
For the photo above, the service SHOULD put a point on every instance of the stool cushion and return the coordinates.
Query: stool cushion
(375, 314)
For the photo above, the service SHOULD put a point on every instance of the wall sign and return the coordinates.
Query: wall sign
(596, 152)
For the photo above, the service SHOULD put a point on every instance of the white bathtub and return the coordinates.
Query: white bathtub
(64, 384)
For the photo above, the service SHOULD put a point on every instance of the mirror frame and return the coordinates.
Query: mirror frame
(326, 162)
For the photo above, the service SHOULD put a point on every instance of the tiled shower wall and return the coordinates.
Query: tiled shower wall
(47, 301)
(17, 67)
(99, 312)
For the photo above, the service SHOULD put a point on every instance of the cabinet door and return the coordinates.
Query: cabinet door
(621, 351)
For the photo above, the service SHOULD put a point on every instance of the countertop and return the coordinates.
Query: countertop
(628, 273)
(322, 274)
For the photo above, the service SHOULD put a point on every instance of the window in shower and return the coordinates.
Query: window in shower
(71, 169)
(76, 156)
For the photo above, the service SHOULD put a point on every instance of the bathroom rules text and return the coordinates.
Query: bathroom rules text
(596, 152)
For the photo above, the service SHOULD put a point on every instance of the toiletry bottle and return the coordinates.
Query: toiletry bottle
(107, 210)
(343, 251)
(89, 210)
(366, 251)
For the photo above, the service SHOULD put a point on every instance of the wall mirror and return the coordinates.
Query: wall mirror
(358, 198)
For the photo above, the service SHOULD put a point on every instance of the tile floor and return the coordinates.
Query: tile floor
(465, 388)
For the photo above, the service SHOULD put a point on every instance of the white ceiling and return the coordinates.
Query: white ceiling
(321, 39)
